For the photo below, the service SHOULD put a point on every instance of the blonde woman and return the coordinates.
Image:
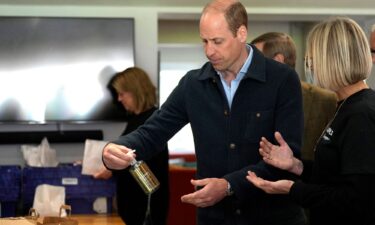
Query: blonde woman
(341, 189)
(137, 94)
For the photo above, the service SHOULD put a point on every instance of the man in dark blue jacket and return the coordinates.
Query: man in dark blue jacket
(231, 102)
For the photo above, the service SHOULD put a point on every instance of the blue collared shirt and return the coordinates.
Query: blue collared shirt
(231, 89)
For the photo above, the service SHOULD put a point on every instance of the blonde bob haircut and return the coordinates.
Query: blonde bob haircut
(338, 53)
(136, 81)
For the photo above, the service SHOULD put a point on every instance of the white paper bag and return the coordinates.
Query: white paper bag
(92, 157)
(100, 205)
(40, 156)
(48, 200)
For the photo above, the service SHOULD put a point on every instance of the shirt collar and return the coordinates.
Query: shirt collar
(248, 61)
(245, 66)
(254, 66)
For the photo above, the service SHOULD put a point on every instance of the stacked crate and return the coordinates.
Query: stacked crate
(10, 187)
(82, 192)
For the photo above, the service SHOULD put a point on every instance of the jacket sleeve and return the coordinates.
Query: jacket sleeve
(352, 195)
(153, 135)
(350, 189)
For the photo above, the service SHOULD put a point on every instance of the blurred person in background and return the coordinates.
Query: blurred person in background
(138, 96)
(372, 43)
(371, 80)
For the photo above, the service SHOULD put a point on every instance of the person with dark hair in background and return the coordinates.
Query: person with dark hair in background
(230, 102)
(342, 186)
(319, 104)
(138, 96)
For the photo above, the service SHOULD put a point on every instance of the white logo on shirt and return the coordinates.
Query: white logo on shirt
(329, 132)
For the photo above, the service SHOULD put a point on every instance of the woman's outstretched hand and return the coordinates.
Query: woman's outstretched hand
(280, 156)
(270, 187)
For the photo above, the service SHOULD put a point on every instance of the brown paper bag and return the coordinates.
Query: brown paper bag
(51, 220)
(58, 220)
(54, 220)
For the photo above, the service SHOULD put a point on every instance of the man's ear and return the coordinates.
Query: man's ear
(279, 57)
(242, 33)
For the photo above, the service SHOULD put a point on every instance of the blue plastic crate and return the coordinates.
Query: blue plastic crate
(80, 190)
(8, 209)
(10, 189)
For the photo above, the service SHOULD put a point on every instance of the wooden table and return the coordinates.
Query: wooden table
(98, 219)
(92, 219)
